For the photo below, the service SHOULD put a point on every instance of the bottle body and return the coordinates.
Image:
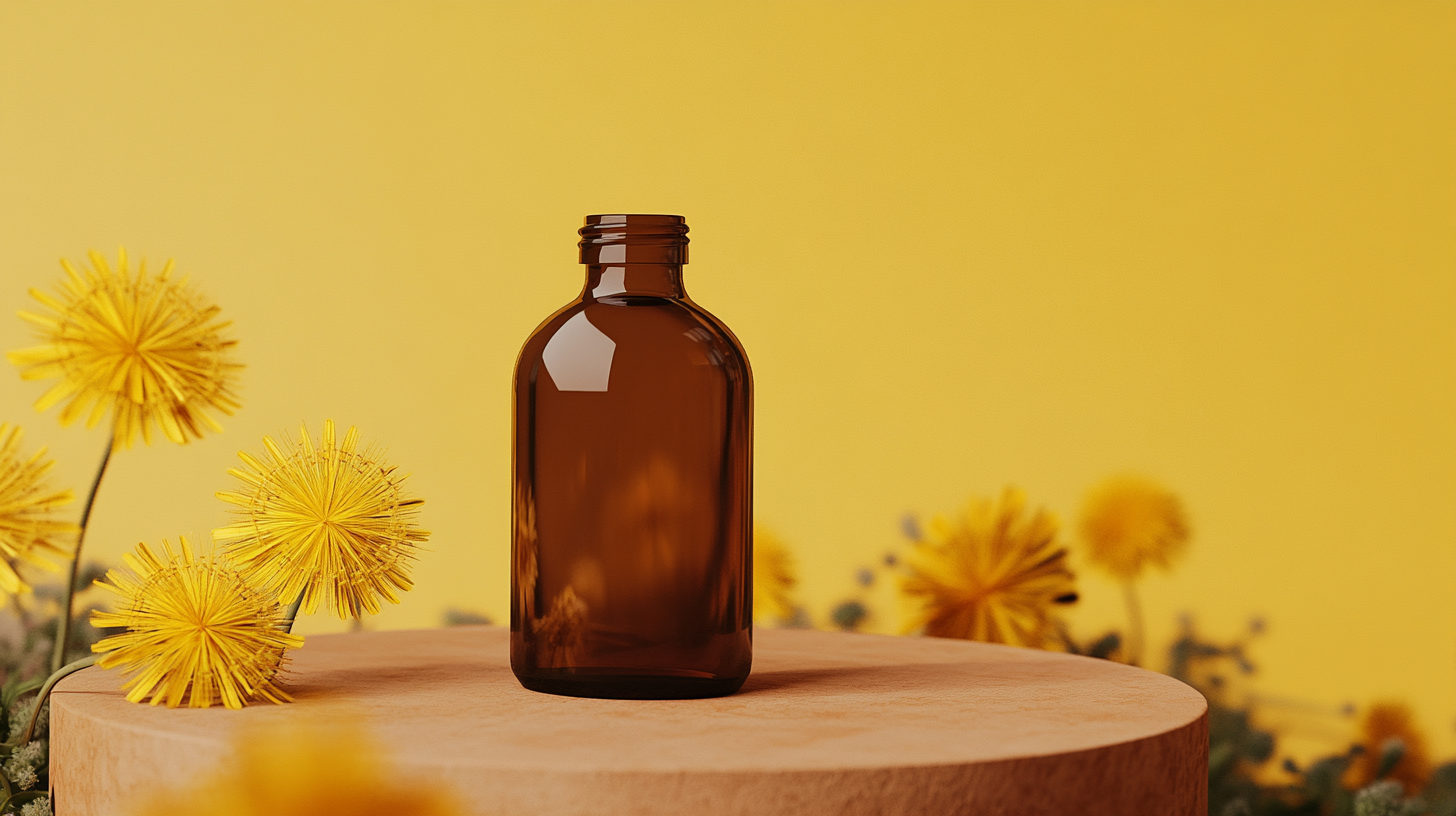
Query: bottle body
(632, 506)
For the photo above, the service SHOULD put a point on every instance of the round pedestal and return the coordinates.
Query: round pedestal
(827, 724)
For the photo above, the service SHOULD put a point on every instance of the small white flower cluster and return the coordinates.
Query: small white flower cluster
(20, 717)
(39, 807)
(1386, 798)
(20, 767)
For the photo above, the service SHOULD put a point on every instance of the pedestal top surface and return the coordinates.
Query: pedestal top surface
(447, 699)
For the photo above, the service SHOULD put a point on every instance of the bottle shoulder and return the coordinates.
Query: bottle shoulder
(663, 319)
(665, 330)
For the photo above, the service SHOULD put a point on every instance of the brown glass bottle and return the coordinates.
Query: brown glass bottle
(633, 458)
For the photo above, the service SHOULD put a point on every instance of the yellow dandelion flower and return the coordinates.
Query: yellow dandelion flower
(1382, 723)
(148, 350)
(773, 577)
(325, 523)
(26, 528)
(1130, 522)
(196, 630)
(304, 769)
(992, 575)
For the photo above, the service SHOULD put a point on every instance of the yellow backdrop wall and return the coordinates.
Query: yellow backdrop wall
(965, 245)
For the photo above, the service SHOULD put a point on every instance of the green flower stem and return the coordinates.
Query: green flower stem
(63, 630)
(45, 691)
(1134, 623)
(292, 613)
(22, 798)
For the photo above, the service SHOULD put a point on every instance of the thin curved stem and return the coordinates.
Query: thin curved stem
(45, 691)
(1134, 623)
(292, 613)
(63, 629)
(21, 798)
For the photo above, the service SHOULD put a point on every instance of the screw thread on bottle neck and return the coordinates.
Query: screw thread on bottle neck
(610, 240)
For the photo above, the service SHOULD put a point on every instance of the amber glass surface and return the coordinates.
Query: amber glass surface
(633, 482)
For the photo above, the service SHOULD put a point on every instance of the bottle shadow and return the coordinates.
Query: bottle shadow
(867, 678)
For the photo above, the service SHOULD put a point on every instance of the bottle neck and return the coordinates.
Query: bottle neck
(649, 279)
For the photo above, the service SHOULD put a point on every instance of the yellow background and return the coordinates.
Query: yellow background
(965, 245)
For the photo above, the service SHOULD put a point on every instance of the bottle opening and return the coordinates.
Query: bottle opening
(634, 238)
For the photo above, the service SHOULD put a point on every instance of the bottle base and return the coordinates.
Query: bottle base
(618, 685)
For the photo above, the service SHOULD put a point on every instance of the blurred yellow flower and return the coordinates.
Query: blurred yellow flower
(561, 633)
(1383, 723)
(303, 769)
(1131, 521)
(148, 350)
(26, 527)
(195, 631)
(773, 577)
(992, 574)
(327, 522)
(526, 566)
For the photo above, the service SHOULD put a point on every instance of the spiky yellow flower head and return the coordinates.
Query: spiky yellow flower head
(326, 521)
(773, 577)
(304, 769)
(992, 574)
(146, 349)
(26, 528)
(196, 630)
(1383, 724)
(1130, 522)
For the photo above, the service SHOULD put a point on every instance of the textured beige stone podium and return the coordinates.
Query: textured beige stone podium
(827, 724)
